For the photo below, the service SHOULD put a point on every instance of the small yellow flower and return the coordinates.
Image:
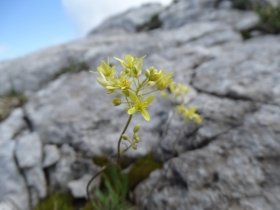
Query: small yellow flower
(106, 70)
(178, 89)
(192, 115)
(189, 114)
(132, 65)
(180, 109)
(164, 81)
(139, 105)
(123, 83)
(152, 74)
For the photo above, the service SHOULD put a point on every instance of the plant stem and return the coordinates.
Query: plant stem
(148, 92)
(120, 139)
(90, 181)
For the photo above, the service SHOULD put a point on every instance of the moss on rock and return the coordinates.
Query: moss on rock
(73, 68)
(59, 201)
(153, 23)
(141, 169)
(9, 102)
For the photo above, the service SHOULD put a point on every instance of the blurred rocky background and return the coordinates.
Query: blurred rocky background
(55, 117)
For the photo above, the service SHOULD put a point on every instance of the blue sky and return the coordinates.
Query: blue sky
(30, 25)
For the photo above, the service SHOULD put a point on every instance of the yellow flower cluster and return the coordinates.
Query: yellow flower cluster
(177, 92)
(189, 113)
(128, 83)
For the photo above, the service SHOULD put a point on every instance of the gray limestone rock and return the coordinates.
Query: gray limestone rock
(12, 183)
(217, 120)
(129, 20)
(51, 155)
(78, 187)
(185, 12)
(36, 182)
(247, 71)
(36, 179)
(236, 170)
(12, 126)
(5, 206)
(29, 150)
(61, 174)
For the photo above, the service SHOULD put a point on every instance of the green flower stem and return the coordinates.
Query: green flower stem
(132, 90)
(145, 81)
(91, 180)
(143, 84)
(127, 99)
(149, 92)
(134, 83)
(119, 93)
(120, 139)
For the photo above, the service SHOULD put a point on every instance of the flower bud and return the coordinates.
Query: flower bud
(127, 71)
(126, 93)
(147, 73)
(116, 101)
(135, 70)
(136, 128)
(136, 137)
(125, 137)
(151, 83)
(110, 91)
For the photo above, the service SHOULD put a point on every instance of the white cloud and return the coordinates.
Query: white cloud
(87, 14)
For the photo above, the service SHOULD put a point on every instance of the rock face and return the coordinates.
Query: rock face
(29, 151)
(230, 161)
(200, 10)
(12, 183)
(52, 155)
(129, 20)
(237, 170)
(78, 187)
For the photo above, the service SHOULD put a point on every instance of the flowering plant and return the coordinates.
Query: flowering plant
(135, 91)
(136, 94)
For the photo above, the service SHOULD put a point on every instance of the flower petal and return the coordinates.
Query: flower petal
(111, 87)
(102, 82)
(145, 114)
(149, 100)
(131, 111)
(118, 59)
(133, 97)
